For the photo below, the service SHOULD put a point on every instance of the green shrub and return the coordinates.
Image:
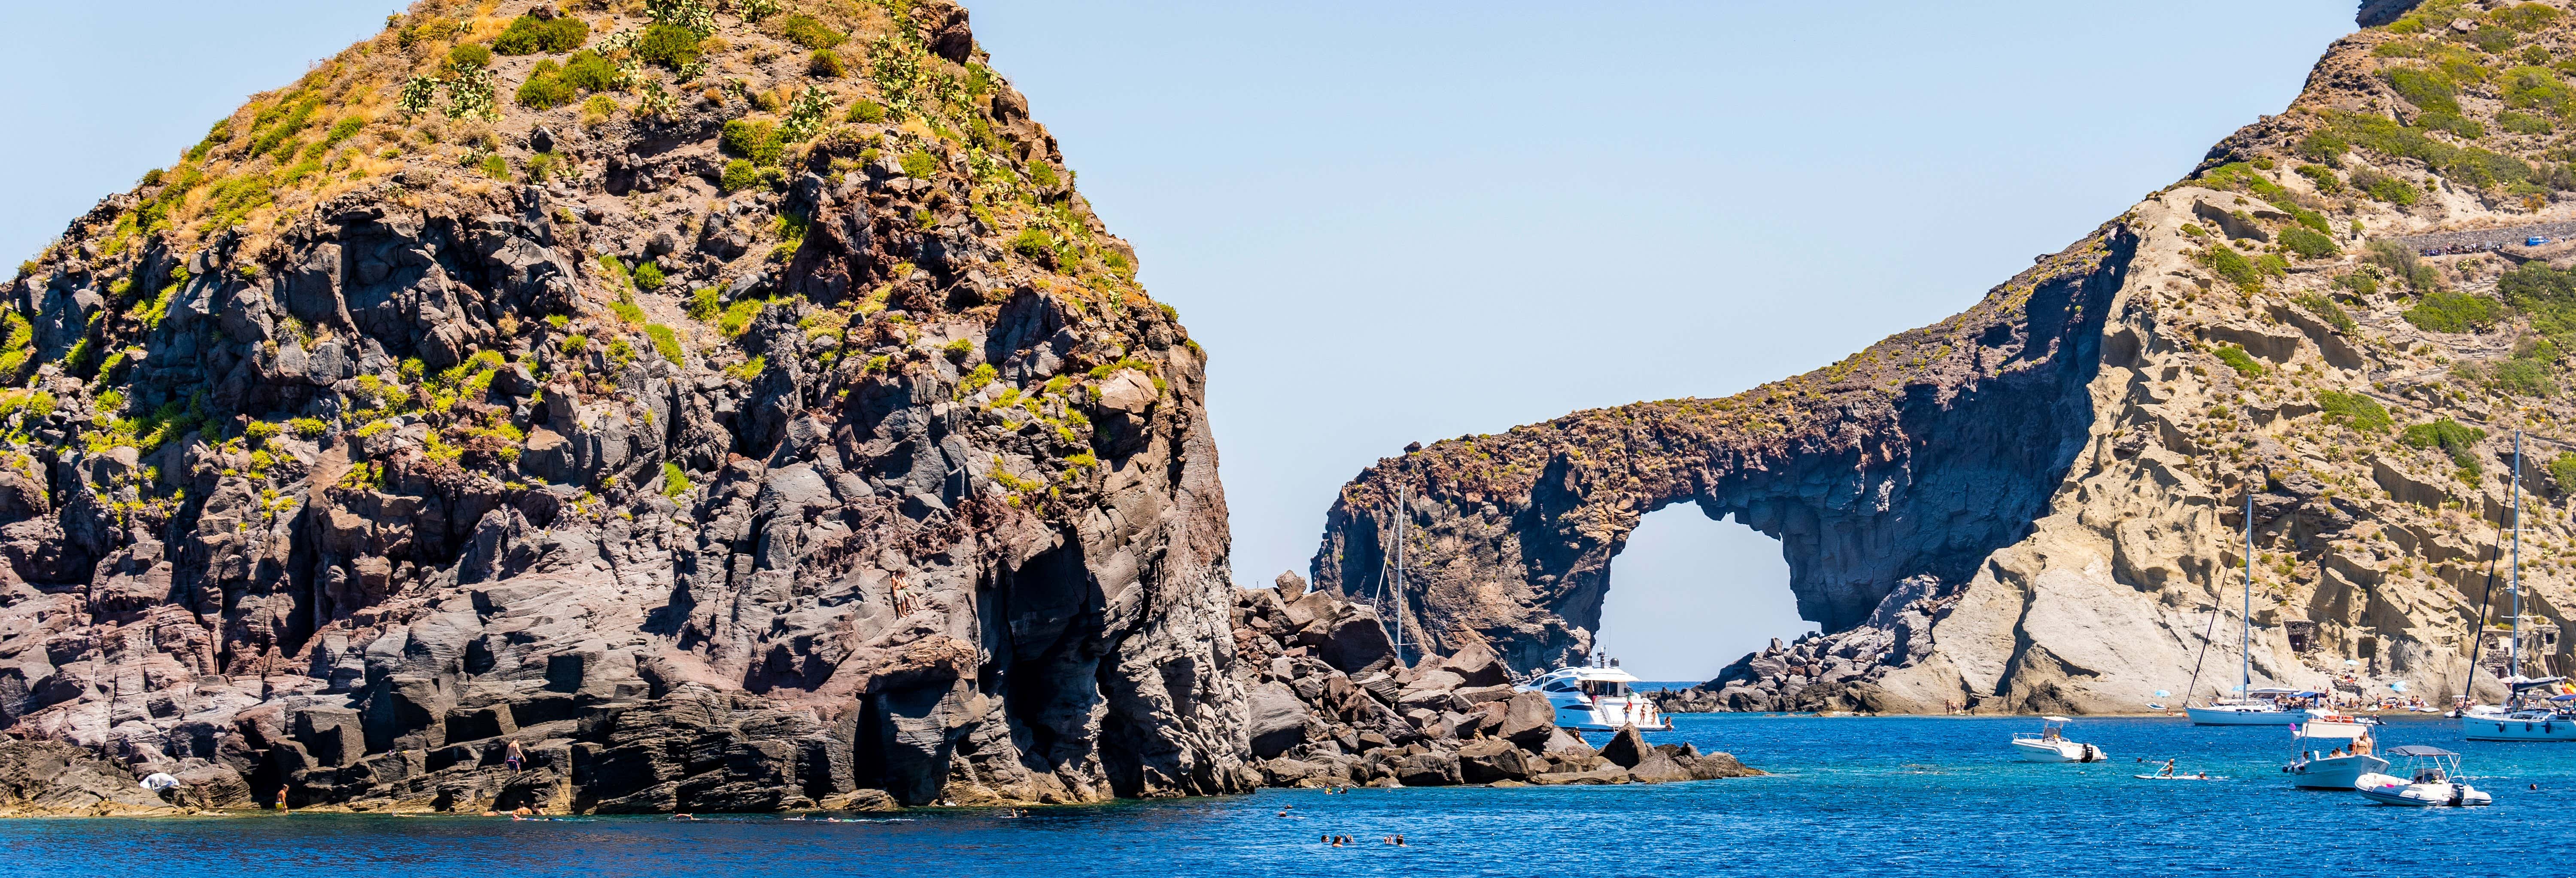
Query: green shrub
(470, 55)
(810, 32)
(588, 71)
(2520, 122)
(2493, 40)
(625, 305)
(956, 351)
(675, 481)
(546, 88)
(2326, 309)
(2354, 410)
(739, 174)
(649, 276)
(2308, 243)
(2324, 178)
(2236, 358)
(2400, 263)
(2522, 376)
(528, 35)
(2562, 470)
(2546, 294)
(754, 140)
(748, 370)
(2385, 188)
(2526, 17)
(702, 304)
(737, 317)
(826, 65)
(2360, 282)
(494, 166)
(259, 432)
(920, 165)
(2453, 437)
(666, 342)
(668, 45)
(308, 428)
(2225, 262)
(977, 380)
(2445, 311)
(576, 343)
(1033, 243)
(867, 111)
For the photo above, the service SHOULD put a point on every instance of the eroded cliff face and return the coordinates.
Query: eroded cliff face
(2032, 506)
(763, 431)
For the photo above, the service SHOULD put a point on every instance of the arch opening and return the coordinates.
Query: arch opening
(1689, 594)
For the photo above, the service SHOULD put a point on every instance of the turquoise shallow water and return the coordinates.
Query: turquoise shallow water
(1853, 796)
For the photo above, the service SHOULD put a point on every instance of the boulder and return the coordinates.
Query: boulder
(1493, 760)
(1278, 719)
(1627, 748)
(1356, 643)
(1529, 720)
(1476, 666)
(1433, 769)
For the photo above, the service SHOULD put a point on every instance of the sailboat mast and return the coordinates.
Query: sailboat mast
(2245, 638)
(1402, 500)
(2513, 648)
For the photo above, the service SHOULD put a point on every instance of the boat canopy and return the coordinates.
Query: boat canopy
(2418, 750)
(2522, 684)
(2057, 719)
(2277, 692)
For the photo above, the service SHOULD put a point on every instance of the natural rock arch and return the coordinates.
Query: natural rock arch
(1912, 460)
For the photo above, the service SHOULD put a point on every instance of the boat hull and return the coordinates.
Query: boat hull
(2387, 790)
(2226, 716)
(2498, 728)
(2336, 773)
(2057, 751)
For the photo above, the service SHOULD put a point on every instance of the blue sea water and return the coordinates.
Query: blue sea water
(1850, 796)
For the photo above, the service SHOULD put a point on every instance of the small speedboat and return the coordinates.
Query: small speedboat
(2049, 744)
(2340, 768)
(2428, 784)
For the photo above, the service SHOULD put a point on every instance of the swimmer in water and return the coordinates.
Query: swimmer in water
(1399, 842)
(1337, 841)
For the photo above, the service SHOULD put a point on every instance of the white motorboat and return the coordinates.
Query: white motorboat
(2049, 744)
(2429, 781)
(1597, 698)
(2337, 769)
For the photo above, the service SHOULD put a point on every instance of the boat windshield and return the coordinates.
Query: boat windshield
(1605, 688)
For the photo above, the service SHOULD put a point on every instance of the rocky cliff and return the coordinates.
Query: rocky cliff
(2032, 506)
(728, 404)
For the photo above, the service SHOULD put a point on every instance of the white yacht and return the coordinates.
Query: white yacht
(1597, 697)
(2049, 744)
(2533, 718)
(2324, 771)
(2428, 783)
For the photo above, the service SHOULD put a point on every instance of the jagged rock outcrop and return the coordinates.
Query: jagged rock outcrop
(743, 437)
(2033, 506)
(1332, 705)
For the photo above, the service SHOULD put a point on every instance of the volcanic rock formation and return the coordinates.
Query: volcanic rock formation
(628, 385)
(2033, 505)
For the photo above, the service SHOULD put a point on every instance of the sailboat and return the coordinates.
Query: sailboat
(2535, 708)
(2247, 708)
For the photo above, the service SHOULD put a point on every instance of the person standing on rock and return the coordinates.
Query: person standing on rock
(514, 757)
(281, 800)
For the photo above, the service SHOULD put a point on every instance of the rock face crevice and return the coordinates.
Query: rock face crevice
(1915, 458)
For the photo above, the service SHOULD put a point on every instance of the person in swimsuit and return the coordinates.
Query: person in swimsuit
(514, 757)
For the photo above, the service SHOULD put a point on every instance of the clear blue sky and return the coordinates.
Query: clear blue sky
(1402, 222)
